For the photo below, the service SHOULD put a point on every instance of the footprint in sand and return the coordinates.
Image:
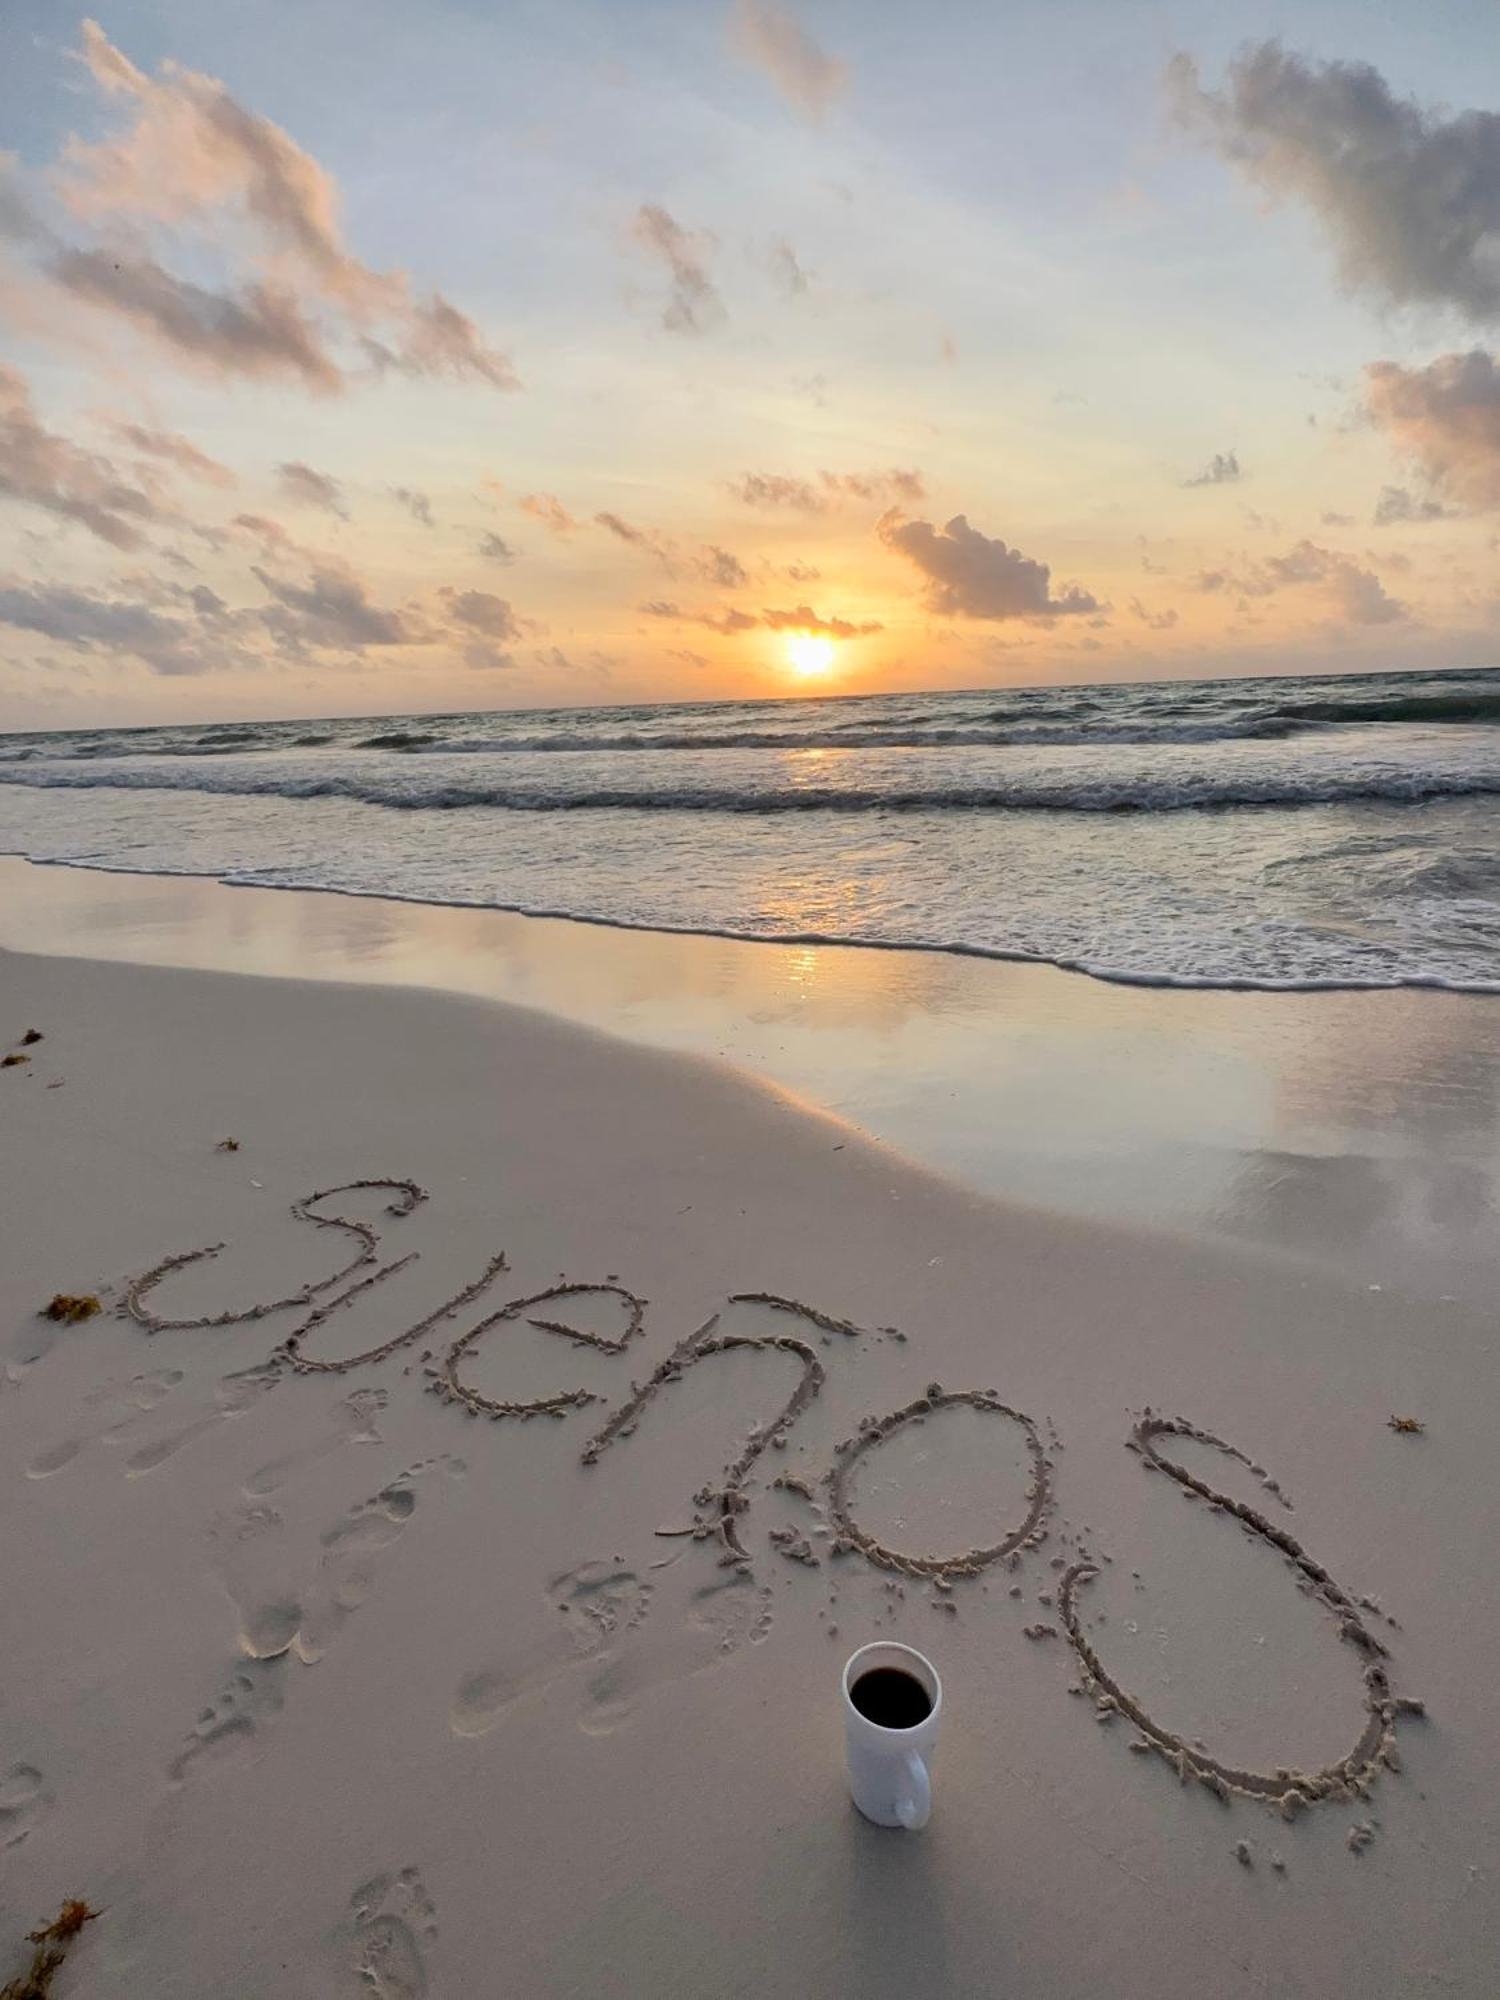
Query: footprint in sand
(604, 1607)
(279, 1617)
(24, 1799)
(281, 1614)
(228, 1730)
(120, 1408)
(232, 1397)
(354, 1423)
(394, 1918)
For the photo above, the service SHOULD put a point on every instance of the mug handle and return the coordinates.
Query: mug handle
(914, 1810)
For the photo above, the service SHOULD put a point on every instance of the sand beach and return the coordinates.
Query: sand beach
(454, 1626)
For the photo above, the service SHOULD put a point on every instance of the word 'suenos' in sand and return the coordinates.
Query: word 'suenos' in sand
(722, 1505)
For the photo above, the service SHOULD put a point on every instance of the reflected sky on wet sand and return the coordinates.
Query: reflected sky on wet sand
(1357, 1128)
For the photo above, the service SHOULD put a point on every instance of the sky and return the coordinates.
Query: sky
(370, 357)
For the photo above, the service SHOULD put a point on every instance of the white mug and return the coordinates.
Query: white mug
(888, 1768)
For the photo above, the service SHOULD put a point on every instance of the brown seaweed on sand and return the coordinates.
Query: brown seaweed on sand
(71, 1308)
(1408, 1426)
(52, 1942)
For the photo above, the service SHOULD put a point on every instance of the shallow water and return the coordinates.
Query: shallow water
(1307, 832)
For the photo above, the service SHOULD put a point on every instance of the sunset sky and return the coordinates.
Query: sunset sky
(377, 357)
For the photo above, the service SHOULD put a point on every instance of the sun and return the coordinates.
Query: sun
(809, 654)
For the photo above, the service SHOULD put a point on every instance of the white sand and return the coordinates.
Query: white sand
(306, 1673)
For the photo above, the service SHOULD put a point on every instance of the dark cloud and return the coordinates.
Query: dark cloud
(302, 483)
(1223, 469)
(494, 549)
(40, 468)
(261, 330)
(176, 451)
(1332, 520)
(971, 576)
(1408, 196)
(481, 611)
(777, 44)
(694, 303)
(93, 623)
(416, 504)
(332, 609)
(1446, 419)
(1397, 506)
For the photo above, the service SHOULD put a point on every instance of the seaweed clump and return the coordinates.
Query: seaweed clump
(13, 1061)
(1408, 1426)
(52, 1942)
(31, 1036)
(71, 1309)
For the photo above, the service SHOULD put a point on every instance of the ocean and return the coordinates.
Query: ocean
(1307, 831)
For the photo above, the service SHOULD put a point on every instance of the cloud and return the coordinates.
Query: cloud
(694, 303)
(802, 619)
(416, 504)
(1408, 197)
(40, 468)
(258, 331)
(1356, 595)
(1159, 621)
(1223, 469)
(1446, 419)
(192, 158)
(971, 576)
(774, 489)
(176, 451)
(768, 36)
(1332, 520)
(301, 483)
(94, 623)
(481, 611)
(332, 609)
(626, 531)
(550, 511)
(1396, 505)
(719, 566)
(710, 563)
(494, 549)
(786, 273)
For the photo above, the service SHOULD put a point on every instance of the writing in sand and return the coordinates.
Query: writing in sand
(721, 1507)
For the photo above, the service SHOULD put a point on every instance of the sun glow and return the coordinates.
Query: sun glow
(809, 654)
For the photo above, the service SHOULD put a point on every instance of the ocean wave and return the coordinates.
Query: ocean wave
(1181, 790)
(1433, 708)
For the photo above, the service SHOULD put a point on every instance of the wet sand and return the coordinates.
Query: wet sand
(442, 1586)
(1360, 1131)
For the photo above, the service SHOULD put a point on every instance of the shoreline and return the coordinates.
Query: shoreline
(1353, 1129)
(790, 939)
(393, 1619)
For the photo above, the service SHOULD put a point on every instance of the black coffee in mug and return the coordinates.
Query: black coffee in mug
(891, 1699)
